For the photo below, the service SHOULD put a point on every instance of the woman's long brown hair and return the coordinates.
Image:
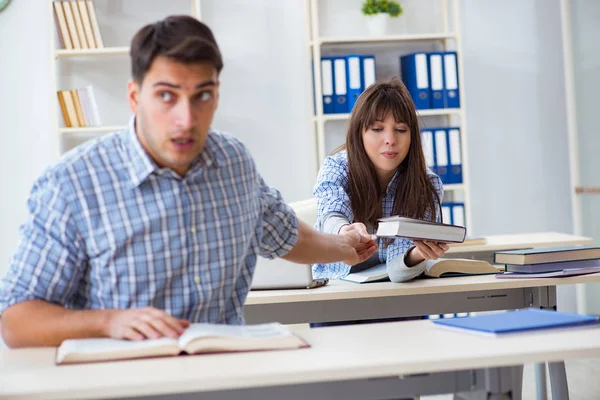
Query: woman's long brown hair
(415, 196)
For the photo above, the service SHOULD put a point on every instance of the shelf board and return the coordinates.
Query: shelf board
(106, 51)
(91, 129)
(420, 113)
(454, 187)
(384, 39)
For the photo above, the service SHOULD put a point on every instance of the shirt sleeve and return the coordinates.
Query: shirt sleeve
(50, 259)
(279, 224)
(399, 248)
(331, 191)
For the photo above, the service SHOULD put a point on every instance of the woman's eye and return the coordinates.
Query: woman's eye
(376, 129)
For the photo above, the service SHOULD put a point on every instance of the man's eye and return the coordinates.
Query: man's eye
(165, 96)
(205, 96)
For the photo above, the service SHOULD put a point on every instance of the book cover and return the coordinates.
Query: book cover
(552, 274)
(518, 321)
(397, 226)
(551, 267)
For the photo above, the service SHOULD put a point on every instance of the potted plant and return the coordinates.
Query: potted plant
(378, 12)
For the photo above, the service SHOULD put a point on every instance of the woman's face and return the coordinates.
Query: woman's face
(387, 143)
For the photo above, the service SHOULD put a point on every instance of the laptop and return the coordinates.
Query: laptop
(282, 274)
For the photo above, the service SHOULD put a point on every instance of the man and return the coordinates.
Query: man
(141, 232)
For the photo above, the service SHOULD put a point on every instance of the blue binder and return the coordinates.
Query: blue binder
(451, 84)
(458, 214)
(368, 71)
(415, 76)
(427, 142)
(447, 213)
(455, 153)
(327, 84)
(440, 150)
(340, 87)
(517, 321)
(354, 77)
(436, 79)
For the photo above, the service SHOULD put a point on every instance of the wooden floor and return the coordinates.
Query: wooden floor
(583, 377)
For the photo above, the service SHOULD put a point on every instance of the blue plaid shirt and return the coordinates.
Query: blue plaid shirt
(108, 228)
(331, 192)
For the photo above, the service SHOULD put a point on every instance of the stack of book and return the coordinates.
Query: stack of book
(549, 262)
(79, 108)
(78, 24)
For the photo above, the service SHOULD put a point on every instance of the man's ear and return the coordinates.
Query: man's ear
(133, 92)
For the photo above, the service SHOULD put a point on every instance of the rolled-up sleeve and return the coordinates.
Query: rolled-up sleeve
(50, 258)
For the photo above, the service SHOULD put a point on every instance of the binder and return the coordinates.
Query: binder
(447, 213)
(427, 139)
(327, 84)
(454, 149)
(415, 75)
(354, 79)
(458, 214)
(451, 91)
(368, 71)
(441, 153)
(340, 89)
(436, 79)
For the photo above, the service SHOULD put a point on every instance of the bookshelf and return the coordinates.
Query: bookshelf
(75, 60)
(445, 38)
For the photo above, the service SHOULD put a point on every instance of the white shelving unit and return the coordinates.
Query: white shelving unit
(453, 117)
(73, 55)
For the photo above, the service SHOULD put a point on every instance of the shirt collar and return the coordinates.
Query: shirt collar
(142, 166)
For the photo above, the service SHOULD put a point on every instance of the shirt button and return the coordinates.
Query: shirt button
(193, 229)
(197, 279)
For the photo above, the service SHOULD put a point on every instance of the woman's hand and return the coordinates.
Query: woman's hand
(425, 250)
(357, 227)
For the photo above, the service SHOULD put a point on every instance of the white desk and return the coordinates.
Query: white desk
(343, 301)
(360, 361)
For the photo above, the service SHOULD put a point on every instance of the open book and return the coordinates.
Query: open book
(411, 228)
(440, 268)
(197, 338)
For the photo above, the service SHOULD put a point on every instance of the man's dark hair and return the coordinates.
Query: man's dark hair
(179, 37)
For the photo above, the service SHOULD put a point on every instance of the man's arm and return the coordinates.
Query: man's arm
(317, 247)
(39, 323)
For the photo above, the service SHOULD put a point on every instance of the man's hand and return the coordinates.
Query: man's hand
(359, 243)
(143, 323)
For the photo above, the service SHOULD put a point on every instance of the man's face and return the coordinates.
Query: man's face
(174, 108)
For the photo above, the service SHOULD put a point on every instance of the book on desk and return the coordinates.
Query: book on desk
(530, 319)
(439, 268)
(197, 339)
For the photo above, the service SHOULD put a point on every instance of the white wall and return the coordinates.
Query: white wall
(514, 92)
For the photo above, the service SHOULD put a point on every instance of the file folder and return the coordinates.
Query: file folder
(436, 79)
(458, 214)
(447, 213)
(451, 91)
(427, 139)
(441, 154)
(415, 76)
(454, 149)
(340, 89)
(327, 84)
(368, 71)
(354, 79)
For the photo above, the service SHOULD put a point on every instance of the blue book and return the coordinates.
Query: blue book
(518, 321)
